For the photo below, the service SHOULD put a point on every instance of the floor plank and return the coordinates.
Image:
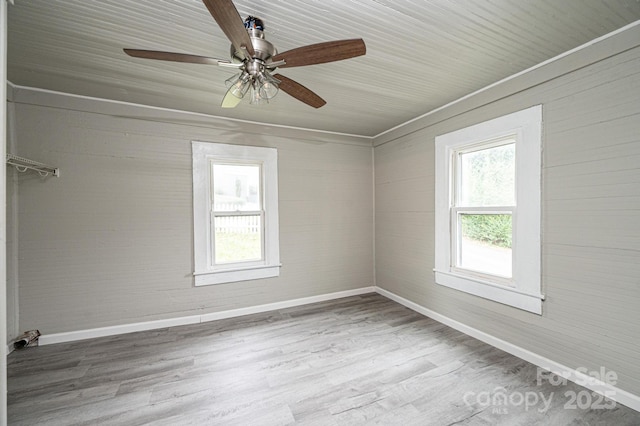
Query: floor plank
(358, 360)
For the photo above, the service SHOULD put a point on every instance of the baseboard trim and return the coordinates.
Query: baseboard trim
(286, 304)
(71, 336)
(621, 396)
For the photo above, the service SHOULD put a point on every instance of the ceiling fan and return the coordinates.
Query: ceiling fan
(256, 59)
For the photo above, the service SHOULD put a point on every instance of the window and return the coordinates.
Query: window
(235, 201)
(488, 209)
(483, 203)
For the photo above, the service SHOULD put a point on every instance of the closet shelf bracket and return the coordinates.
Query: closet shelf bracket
(23, 164)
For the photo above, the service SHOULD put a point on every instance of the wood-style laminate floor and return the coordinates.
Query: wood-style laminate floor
(358, 360)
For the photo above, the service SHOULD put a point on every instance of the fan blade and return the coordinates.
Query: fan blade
(321, 53)
(177, 57)
(229, 100)
(299, 92)
(231, 24)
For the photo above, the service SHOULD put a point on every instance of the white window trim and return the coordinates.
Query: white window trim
(205, 272)
(524, 293)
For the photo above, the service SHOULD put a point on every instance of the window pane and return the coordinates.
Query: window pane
(485, 243)
(236, 187)
(237, 239)
(487, 177)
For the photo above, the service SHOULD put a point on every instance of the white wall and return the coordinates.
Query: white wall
(591, 200)
(110, 242)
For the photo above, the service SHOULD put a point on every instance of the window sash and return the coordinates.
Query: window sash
(248, 263)
(215, 265)
(214, 162)
(456, 242)
(456, 166)
(456, 209)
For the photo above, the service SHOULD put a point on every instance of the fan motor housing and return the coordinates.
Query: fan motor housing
(262, 49)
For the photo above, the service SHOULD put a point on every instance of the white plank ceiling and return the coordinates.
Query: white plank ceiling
(421, 54)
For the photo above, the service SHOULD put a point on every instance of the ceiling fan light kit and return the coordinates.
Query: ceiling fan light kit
(257, 59)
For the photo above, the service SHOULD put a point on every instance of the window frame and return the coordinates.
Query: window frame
(204, 155)
(523, 290)
(458, 208)
(236, 213)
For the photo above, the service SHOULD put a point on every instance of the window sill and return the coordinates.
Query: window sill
(235, 275)
(496, 292)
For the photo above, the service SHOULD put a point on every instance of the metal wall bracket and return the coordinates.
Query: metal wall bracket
(23, 164)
